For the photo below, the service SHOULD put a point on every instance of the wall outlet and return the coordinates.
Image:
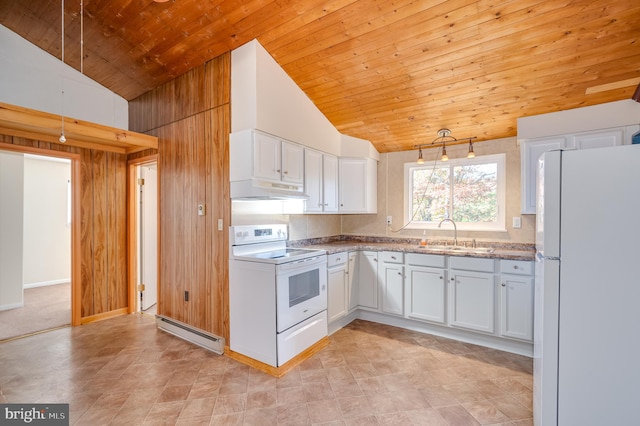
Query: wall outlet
(517, 222)
(389, 220)
(201, 210)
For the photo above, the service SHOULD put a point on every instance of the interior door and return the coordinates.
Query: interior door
(148, 187)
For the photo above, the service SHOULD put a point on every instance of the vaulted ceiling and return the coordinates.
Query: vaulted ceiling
(390, 71)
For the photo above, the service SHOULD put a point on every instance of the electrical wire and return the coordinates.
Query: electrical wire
(422, 196)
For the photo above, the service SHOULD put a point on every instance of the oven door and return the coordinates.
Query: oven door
(301, 290)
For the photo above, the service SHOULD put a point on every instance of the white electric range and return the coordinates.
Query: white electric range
(277, 295)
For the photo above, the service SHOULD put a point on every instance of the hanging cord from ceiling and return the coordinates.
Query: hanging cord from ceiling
(62, 138)
(422, 196)
(81, 37)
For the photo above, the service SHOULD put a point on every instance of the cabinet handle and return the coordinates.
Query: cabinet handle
(278, 170)
(319, 205)
(341, 205)
(326, 204)
(453, 279)
(399, 273)
(393, 257)
(441, 277)
(504, 285)
(338, 259)
(515, 266)
(285, 172)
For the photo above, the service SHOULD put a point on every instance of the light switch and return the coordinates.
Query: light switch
(220, 223)
(201, 210)
(517, 222)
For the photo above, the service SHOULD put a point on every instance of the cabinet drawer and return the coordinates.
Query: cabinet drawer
(431, 260)
(391, 257)
(336, 259)
(472, 264)
(519, 267)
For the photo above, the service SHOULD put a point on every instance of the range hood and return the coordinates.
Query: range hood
(254, 189)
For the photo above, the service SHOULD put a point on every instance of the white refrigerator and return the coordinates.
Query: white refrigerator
(587, 289)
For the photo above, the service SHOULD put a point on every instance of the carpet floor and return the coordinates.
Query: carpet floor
(44, 308)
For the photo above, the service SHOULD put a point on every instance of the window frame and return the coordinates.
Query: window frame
(498, 225)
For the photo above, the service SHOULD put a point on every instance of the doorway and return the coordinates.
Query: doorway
(143, 214)
(39, 240)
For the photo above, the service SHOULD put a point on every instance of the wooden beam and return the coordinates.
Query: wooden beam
(612, 86)
(38, 125)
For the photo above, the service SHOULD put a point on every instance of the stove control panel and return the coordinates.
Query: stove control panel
(251, 234)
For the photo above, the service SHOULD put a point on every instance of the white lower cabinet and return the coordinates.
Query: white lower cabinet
(337, 280)
(426, 287)
(516, 299)
(352, 282)
(466, 293)
(391, 282)
(367, 277)
(472, 293)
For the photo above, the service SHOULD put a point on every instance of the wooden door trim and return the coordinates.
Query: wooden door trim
(76, 287)
(132, 228)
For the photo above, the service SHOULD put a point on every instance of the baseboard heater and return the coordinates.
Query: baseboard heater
(197, 337)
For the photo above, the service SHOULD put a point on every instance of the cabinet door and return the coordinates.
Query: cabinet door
(330, 183)
(599, 139)
(471, 300)
(337, 295)
(353, 192)
(292, 163)
(352, 282)
(367, 278)
(516, 307)
(313, 180)
(531, 151)
(426, 290)
(266, 157)
(392, 288)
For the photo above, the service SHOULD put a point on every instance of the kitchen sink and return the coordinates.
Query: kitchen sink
(459, 249)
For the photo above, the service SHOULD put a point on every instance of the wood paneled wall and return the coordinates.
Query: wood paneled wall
(190, 117)
(103, 227)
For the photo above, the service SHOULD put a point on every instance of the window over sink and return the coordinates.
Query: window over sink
(470, 191)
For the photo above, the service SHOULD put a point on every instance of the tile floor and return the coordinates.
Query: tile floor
(122, 371)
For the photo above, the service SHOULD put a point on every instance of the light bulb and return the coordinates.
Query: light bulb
(420, 159)
(62, 139)
(445, 157)
(471, 154)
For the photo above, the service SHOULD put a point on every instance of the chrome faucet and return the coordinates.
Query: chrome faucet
(455, 229)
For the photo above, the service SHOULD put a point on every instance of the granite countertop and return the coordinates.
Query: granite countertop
(484, 250)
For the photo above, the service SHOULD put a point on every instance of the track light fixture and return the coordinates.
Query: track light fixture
(444, 136)
(471, 154)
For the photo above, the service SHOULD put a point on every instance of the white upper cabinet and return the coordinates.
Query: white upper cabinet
(321, 182)
(277, 160)
(532, 149)
(358, 185)
(599, 139)
(267, 157)
(530, 152)
(292, 162)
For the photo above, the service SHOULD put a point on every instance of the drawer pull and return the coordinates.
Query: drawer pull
(515, 266)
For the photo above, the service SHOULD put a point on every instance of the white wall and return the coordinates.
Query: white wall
(264, 97)
(32, 78)
(47, 235)
(11, 209)
(595, 117)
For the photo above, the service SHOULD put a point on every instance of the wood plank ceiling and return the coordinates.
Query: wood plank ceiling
(392, 72)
